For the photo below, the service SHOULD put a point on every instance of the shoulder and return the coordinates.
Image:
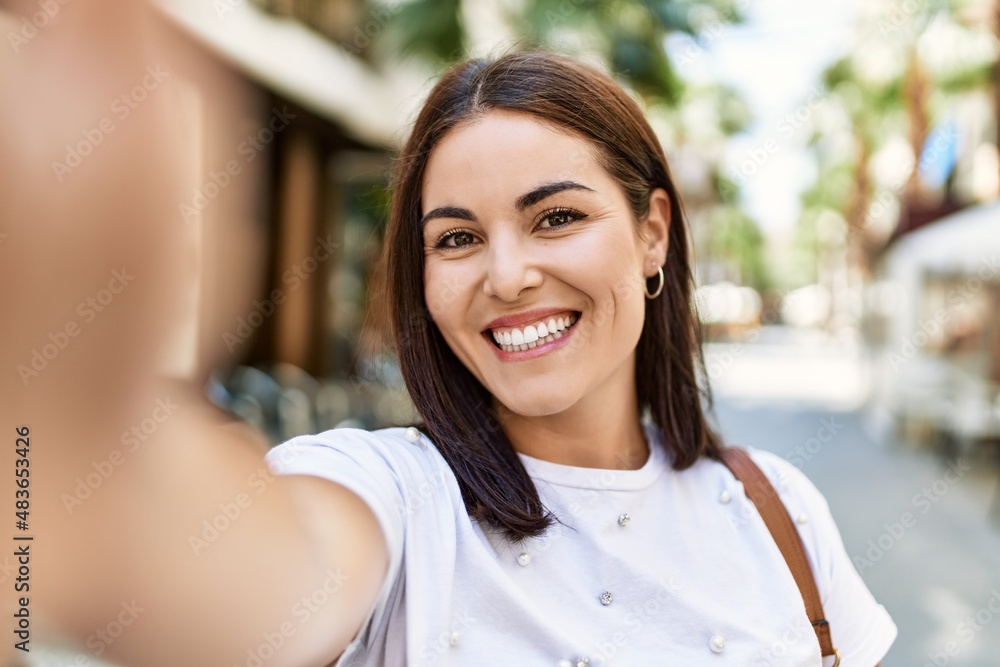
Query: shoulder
(406, 451)
(862, 629)
(791, 483)
(399, 474)
(799, 496)
(805, 504)
(393, 469)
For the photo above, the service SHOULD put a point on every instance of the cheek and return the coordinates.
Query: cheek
(445, 292)
(622, 309)
(617, 281)
(629, 290)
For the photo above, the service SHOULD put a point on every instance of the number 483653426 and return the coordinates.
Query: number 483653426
(21, 464)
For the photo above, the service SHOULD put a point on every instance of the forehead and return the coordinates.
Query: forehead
(510, 152)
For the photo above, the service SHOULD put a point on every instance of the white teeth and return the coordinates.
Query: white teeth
(532, 336)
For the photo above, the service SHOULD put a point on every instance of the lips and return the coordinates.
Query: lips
(529, 317)
(516, 338)
(538, 334)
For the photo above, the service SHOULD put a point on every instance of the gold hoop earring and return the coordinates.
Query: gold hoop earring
(659, 289)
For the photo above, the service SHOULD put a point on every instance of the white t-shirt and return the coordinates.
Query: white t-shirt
(693, 577)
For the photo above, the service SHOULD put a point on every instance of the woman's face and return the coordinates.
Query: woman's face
(525, 234)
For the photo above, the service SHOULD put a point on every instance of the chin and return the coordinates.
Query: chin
(528, 406)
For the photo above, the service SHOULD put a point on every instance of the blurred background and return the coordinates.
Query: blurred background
(839, 165)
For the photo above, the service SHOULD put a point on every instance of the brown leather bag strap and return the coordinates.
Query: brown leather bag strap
(776, 518)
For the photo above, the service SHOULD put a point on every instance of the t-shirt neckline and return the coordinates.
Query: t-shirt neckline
(602, 478)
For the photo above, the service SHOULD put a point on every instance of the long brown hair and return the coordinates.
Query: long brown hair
(455, 407)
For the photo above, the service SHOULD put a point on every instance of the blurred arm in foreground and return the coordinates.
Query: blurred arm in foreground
(97, 268)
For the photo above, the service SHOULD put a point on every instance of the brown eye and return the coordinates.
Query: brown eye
(460, 237)
(560, 218)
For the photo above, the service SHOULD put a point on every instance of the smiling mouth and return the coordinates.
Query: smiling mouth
(519, 339)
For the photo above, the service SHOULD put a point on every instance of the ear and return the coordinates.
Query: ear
(655, 232)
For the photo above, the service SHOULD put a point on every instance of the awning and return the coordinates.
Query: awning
(958, 243)
(288, 58)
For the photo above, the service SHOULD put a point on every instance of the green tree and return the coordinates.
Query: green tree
(627, 34)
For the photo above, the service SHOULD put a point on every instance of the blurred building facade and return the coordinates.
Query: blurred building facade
(927, 224)
(934, 327)
(321, 133)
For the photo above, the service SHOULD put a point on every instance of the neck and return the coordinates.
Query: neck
(601, 430)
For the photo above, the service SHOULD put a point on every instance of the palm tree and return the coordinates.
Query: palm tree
(627, 34)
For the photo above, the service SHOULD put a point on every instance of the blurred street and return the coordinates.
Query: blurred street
(938, 573)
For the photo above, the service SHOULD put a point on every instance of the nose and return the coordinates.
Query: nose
(511, 268)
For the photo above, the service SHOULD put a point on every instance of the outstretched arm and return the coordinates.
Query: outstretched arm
(159, 536)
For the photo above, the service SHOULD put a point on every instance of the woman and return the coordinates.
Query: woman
(563, 501)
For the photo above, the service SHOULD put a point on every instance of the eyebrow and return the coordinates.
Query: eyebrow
(521, 203)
